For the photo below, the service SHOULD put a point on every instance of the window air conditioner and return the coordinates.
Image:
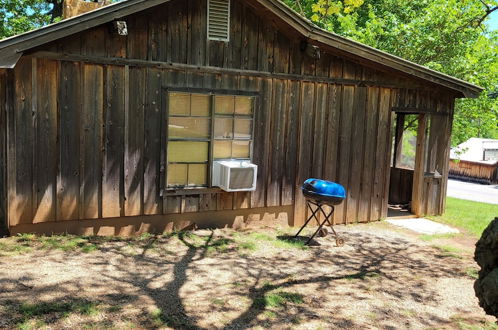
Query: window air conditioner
(235, 175)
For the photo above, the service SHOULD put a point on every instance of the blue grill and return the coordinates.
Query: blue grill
(324, 191)
(319, 193)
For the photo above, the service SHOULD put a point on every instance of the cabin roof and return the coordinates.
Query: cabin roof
(11, 49)
(473, 150)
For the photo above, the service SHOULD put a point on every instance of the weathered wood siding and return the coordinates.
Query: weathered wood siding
(87, 127)
(479, 172)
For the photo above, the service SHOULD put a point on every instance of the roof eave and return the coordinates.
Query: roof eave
(12, 49)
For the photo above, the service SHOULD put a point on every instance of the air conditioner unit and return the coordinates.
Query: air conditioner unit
(235, 175)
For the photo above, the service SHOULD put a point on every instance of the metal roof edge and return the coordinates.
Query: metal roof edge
(332, 39)
(11, 49)
(12, 46)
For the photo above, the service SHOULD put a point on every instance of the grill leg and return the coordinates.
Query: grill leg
(313, 215)
(326, 220)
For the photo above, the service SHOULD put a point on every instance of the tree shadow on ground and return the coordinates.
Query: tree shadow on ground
(207, 275)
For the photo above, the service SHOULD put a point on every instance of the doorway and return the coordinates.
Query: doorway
(408, 153)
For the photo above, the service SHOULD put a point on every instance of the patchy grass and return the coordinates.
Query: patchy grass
(472, 217)
(472, 272)
(463, 324)
(430, 238)
(35, 316)
(278, 299)
(450, 251)
(256, 241)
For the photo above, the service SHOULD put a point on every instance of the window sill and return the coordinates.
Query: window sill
(192, 191)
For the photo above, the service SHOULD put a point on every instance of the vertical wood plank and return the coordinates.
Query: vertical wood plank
(20, 211)
(68, 181)
(332, 132)
(112, 183)
(178, 31)
(304, 150)
(46, 142)
(319, 137)
(134, 143)
(369, 165)
(418, 197)
(266, 39)
(357, 150)
(197, 20)
(344, 152)
(91, 141)
(10, 101)
(158, 34)
(249, 39)
(233, 49)
(386, 173)
(383, 135)
(262, 122)
(93, 41)
(138, 37)
(152, 148)
(3, 151)
(291, 143)
(277, 143)
(281, 52)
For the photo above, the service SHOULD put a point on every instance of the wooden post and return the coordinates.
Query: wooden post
(398, 139)
(418, 175)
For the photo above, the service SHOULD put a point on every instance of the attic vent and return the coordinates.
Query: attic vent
(218, 20)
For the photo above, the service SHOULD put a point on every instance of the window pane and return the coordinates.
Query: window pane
(243, 105)
(241, 149)
(177, 174)
(189, 127)
(222, 149)
(197, 175)
(200, 105)
(179, 104)
(187, 151)
(223, 128)
(224, 104)
(243, 128)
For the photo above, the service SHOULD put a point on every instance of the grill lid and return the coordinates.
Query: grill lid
(322, 190)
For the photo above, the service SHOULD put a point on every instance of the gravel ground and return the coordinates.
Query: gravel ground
(381, 278)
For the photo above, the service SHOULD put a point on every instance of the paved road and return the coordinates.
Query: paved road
(473, 191)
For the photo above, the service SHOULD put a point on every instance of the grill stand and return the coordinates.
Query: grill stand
(314, 215)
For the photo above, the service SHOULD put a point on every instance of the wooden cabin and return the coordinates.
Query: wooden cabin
(111, 120)
(475, 160)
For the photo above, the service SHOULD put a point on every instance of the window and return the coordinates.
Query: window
(203, 128)
(218, 25)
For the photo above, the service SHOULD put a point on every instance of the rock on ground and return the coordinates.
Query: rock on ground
(486, 256)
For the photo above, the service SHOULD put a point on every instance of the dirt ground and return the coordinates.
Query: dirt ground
(381, 278)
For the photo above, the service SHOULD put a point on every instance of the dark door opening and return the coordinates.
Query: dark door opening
(404, 152)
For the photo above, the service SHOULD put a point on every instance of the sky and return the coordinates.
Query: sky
(493, 21)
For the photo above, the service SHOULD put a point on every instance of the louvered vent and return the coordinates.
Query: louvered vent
(218, 19)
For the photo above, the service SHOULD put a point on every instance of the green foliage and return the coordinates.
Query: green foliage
(473, 217)
(445, 35)
(18, 16)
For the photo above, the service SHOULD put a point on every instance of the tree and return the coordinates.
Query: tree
(450, 36)
(446, 35)
(18, 16)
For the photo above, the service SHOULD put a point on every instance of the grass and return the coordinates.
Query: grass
(34, 316)
(256, 241)
(450, 251)
(472, 217)
(430, 238)
(278, 299)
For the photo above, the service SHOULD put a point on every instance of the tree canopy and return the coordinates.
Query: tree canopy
(450, 36)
